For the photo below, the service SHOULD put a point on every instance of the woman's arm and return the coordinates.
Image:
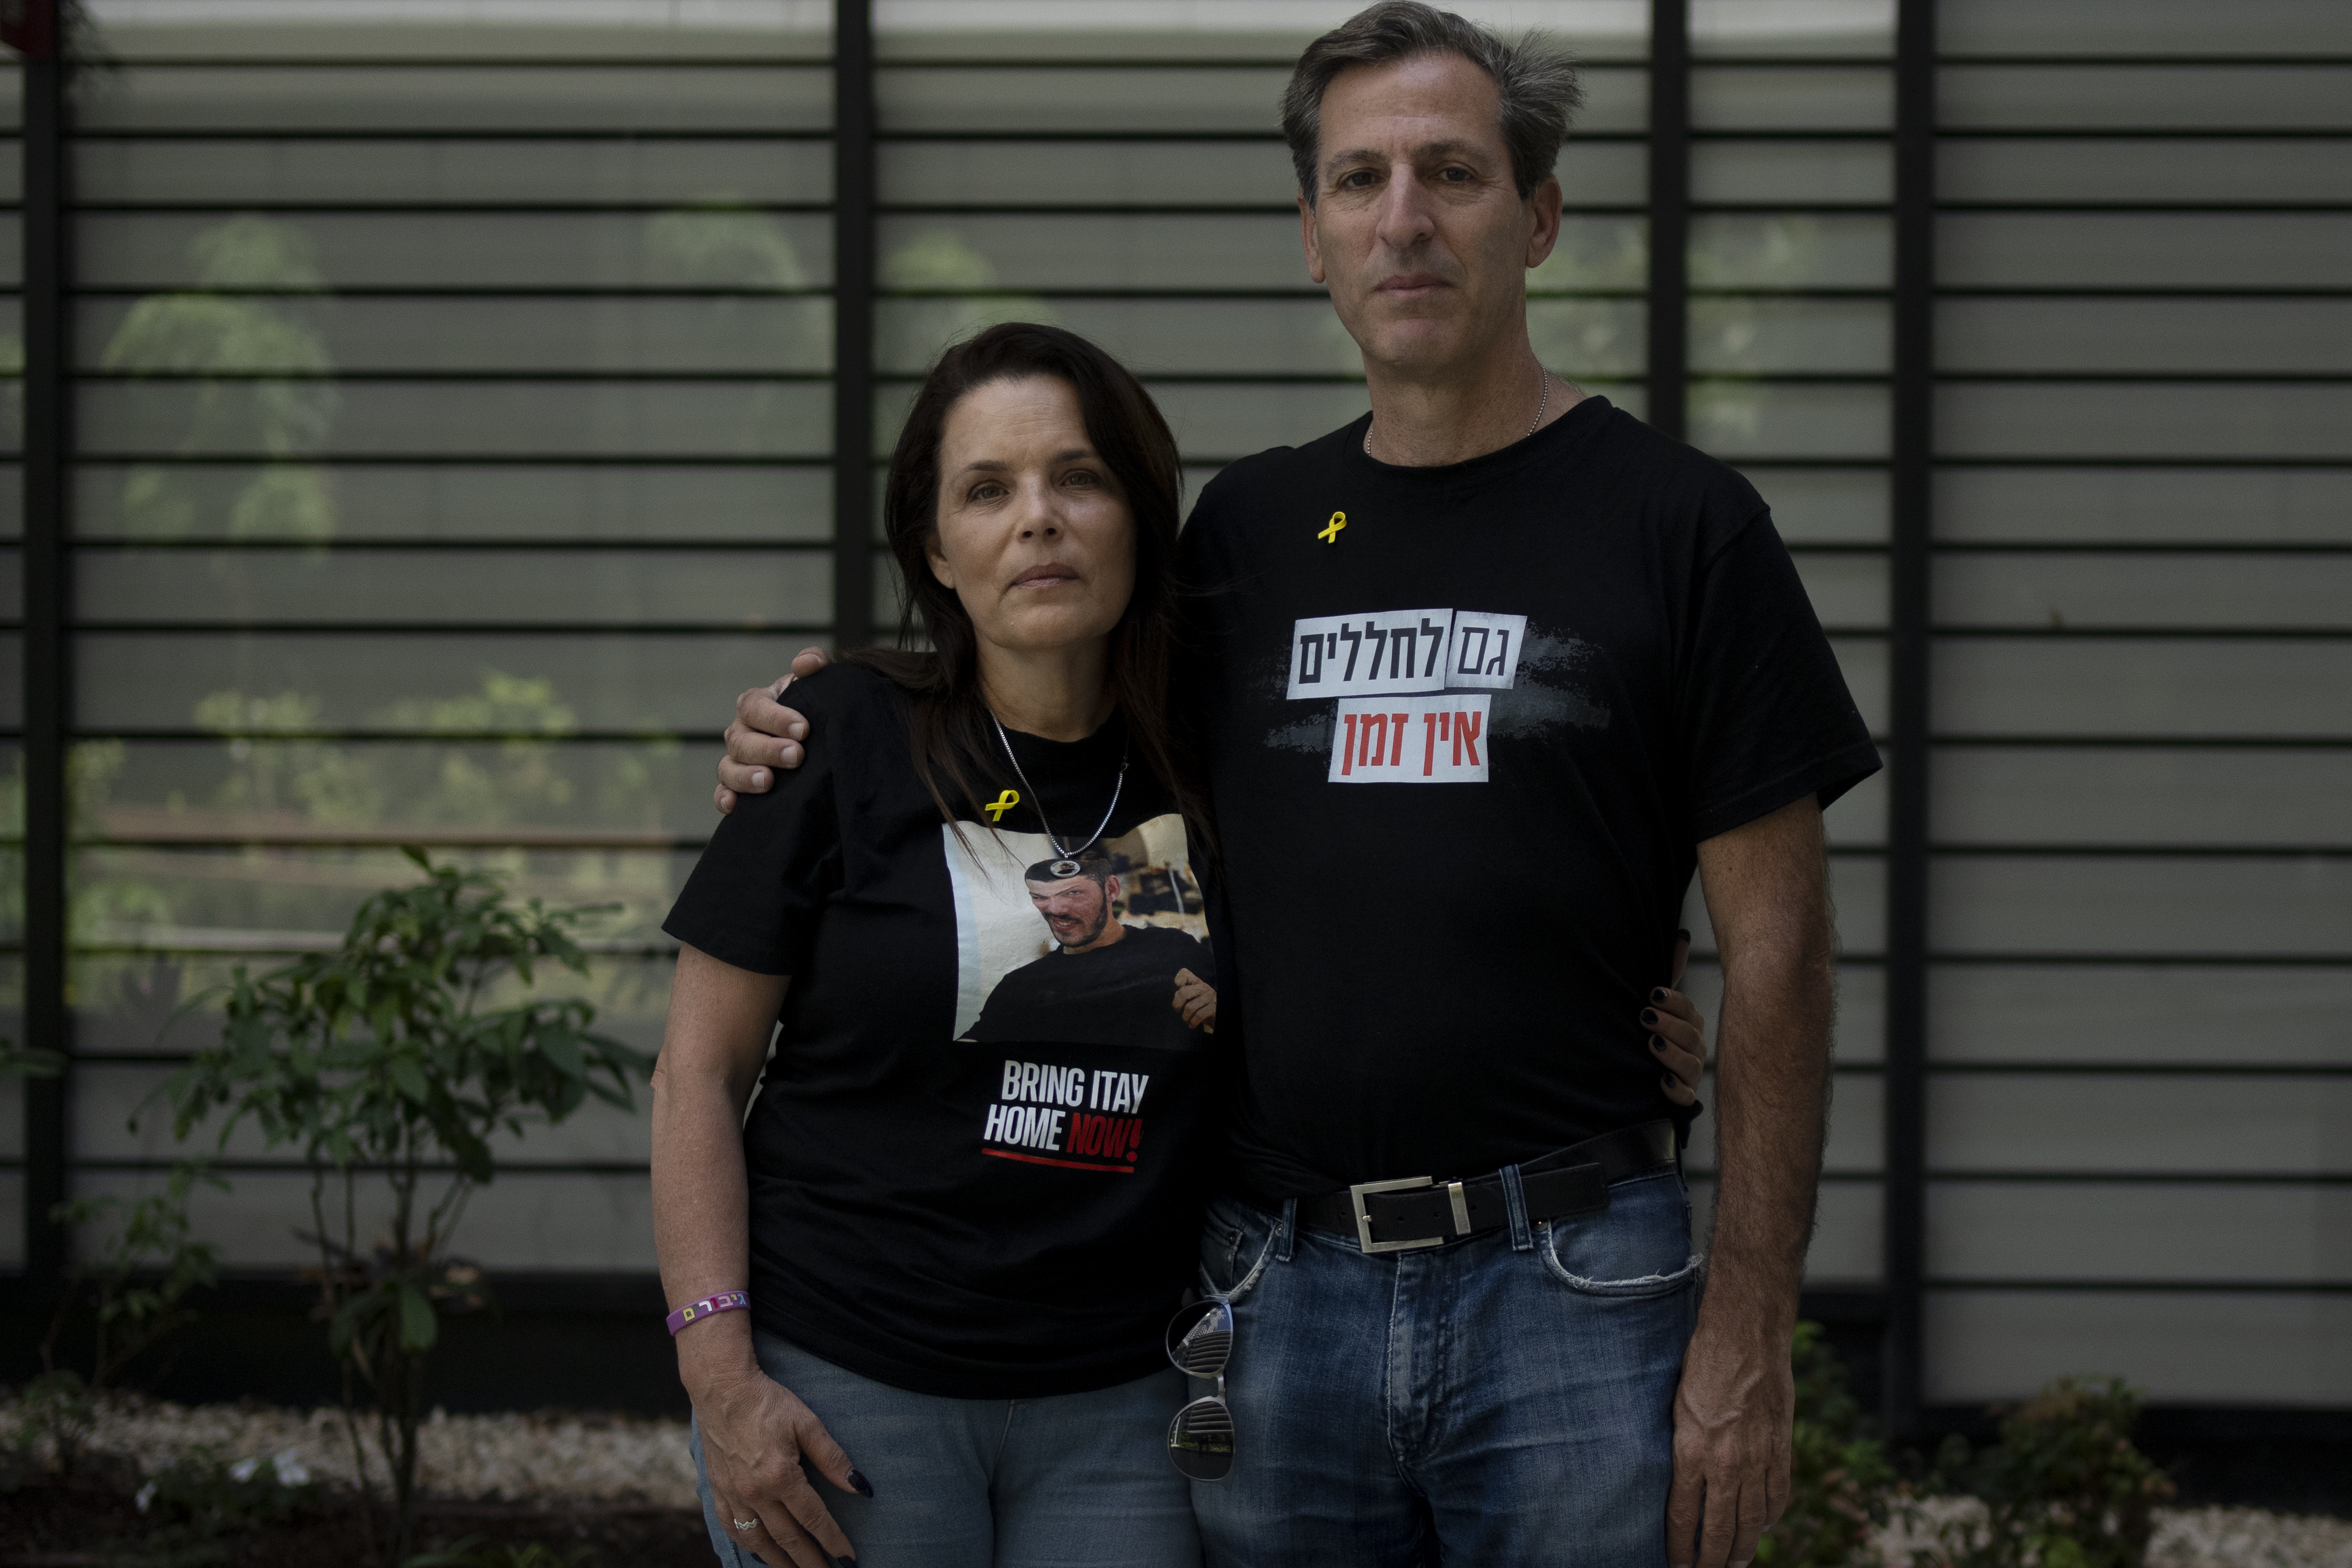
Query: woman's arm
(754, 1431)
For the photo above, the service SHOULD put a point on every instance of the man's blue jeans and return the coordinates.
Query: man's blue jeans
(1500, 1401)
(1071, 1480)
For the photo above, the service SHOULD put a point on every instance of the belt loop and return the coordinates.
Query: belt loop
(1515, 1199)
(1286, 1230)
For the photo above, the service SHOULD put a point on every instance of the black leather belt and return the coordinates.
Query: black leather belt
(1395, 1216)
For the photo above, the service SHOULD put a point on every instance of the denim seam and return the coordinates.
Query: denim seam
(1286, 1231)
(1274, 1248)
(1515, 1200)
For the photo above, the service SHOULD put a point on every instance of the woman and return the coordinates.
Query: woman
(969, 1195)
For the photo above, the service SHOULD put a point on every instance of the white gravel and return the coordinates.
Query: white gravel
(623, 1459)
(488, 1459)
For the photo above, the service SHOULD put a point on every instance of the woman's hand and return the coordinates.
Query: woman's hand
(755, 1433)
(1677, 1032)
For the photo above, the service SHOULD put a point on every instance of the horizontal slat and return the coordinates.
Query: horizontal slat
(1845, 590)
(1800, 251)
(2215, 96)
(2201, 1348)
(2050, 169)
(731, 589)
(2235, 505)
(1983, 1122)
(1825, 506)
(1733, 420)
(2253, 906)
(1767, 335)
(167, 897)
(1797, 174)
(1818, 28)
(1144, 97)
(2136, 1015)
(527, 419)
(611, 683)
(1857, 890)
(968, 173)
(2125, 687)
(518, 337)
(1848, 1230)
(316, 97)
(703, 248)
(2132, 796)
(450, 501)
(2263, 420)
(2084, 591)
(1792, 97)
(140, 1003)
(108, 1097)
(2194, 337)
(2143, 250)
(2225, 1235)
(2145, 27)
(528, 173)
(521, 1220)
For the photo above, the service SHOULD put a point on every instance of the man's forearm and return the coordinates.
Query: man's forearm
(1773, 1062)
(1771, 1077)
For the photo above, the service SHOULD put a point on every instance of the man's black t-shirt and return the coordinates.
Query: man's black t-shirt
(1465, 726)
(1115, 993)
(1006, 1218)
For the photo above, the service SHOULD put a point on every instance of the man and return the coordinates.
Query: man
(1481, 680)
(1107, 983)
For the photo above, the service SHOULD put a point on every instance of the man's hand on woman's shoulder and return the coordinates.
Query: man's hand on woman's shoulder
(765, 736)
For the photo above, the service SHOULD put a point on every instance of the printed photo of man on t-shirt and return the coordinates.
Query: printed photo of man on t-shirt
(1102, 981)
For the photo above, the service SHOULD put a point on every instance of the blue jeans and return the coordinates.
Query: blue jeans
(1074, 1481)
(1504, 1401)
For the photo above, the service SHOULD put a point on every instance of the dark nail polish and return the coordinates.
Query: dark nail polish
(859, 1484)
(1684, 935)
(1649, 1015)
(845, 1562)
(1659, 1046)
(1659, 995)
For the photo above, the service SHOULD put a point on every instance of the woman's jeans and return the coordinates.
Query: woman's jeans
(1503, 1401)
(1074, 1481)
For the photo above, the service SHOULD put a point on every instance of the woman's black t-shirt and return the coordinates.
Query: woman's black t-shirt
(977, 1152)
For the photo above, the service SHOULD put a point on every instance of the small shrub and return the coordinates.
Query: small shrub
(191, 1505)
(2064, 1487)
(1842, 1486)
(54, 1417)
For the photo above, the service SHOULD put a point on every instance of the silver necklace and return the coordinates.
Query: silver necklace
(1069, 855)
(1533, 425)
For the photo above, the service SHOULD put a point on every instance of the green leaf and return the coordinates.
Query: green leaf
(418, 1326)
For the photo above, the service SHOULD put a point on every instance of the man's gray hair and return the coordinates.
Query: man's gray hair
(1536, 82)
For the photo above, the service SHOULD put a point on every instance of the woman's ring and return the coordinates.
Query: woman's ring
(747, 1524)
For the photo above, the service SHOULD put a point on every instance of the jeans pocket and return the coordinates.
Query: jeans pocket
(1638, 1247)
(1235, 1241)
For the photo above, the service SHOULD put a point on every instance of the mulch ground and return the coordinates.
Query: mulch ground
(49, 1524)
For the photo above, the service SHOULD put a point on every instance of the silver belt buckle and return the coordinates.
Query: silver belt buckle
(1361, 1190)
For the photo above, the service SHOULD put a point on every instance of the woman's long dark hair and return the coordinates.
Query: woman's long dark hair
(956, 751)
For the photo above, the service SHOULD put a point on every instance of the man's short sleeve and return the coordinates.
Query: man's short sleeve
(1766, 715)
(755, 895)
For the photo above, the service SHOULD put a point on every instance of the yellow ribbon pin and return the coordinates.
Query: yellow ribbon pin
(1331, 531)
(1002, 804)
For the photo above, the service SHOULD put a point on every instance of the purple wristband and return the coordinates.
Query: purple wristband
(724, 1302)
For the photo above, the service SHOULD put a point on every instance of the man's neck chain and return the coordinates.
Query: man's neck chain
(1533, 425)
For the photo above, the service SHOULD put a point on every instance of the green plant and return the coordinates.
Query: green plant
(191, 1505)
(2064, 1487)
(135, 1290)
(1842, 1486)
(384, 1063)
(55, 1407)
